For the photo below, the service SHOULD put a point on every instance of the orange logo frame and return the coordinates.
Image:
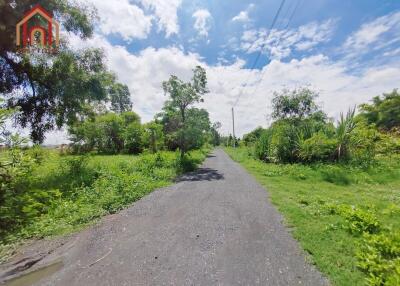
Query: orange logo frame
(46, 33)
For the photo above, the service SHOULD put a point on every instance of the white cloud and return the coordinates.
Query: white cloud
(166, 13)
(202, 21)
(243, 16)
(281, 43)
(144, 73)
(377, 34)
(122, 18)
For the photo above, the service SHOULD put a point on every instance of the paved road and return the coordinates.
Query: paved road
(214, 227)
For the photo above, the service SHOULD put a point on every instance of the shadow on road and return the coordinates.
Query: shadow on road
(202, 174)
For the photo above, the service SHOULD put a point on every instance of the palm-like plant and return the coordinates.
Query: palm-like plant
(345, 126)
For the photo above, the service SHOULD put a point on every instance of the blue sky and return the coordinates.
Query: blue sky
(349, 51)
(348, 16)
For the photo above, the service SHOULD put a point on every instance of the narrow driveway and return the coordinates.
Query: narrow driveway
(215, 226)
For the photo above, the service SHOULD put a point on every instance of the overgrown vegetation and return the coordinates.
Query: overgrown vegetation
(338, 184)
(47, 193)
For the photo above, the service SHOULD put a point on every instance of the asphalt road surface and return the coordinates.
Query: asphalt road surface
(215, 226)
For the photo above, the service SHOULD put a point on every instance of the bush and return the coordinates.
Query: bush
(317, 148)
(262, 146)
(285, 143)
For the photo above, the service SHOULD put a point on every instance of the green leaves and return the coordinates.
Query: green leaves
(379, 257)
(294, 104)
(108, 133)
(384, 111)
(182, 124)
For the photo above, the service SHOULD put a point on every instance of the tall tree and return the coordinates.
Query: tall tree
(183, 95)
(52, 90)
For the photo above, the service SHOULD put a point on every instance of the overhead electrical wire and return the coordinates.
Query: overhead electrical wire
(287, 25)
(263, 45)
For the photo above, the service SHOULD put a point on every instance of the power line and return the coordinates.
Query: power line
(287, 25)
(263, 45)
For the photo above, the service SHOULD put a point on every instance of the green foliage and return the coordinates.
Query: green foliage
(54, 89)
(294, 104)
(262, 146)
(108, 133)
(302, 133)
(153, 136)
(63, 193)
(182, 96)
(379, 258)
(384, 111)
(336, 175)
(343, 134)
(252, 137)
(359, 221)
(319, 147)
(215, 136)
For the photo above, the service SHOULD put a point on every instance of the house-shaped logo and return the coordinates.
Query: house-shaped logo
(38, 29)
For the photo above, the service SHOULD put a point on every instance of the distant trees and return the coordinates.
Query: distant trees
(177, 109)
(384, 111)
(108, 133)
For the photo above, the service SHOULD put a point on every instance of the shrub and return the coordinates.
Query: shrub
(317, 148)
(262, 146)
(362, 146)
(285, 142)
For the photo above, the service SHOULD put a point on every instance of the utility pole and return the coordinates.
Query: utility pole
(233, 127)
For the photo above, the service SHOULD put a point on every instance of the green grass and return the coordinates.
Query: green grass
(65, 193)
(330, 208)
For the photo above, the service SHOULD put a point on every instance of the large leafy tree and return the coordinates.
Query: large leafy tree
(52, 90)
(182, 96)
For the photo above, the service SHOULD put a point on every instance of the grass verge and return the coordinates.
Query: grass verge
(346, 218)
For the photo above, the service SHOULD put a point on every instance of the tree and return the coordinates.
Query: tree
(109, 133)
(294, 104)
(253, 136)
(384, 111)
(120, 98)
(215, 136)
(153, 136)
(53, 90)
(182, 96)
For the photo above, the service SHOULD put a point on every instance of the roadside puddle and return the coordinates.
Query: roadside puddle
(35, 276)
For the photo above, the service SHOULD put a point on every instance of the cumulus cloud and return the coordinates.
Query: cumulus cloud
(202, 21)
(166, 14)
(379, 34)
(145, 71)
(243, 16)
(122, 18)
(281, 43)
